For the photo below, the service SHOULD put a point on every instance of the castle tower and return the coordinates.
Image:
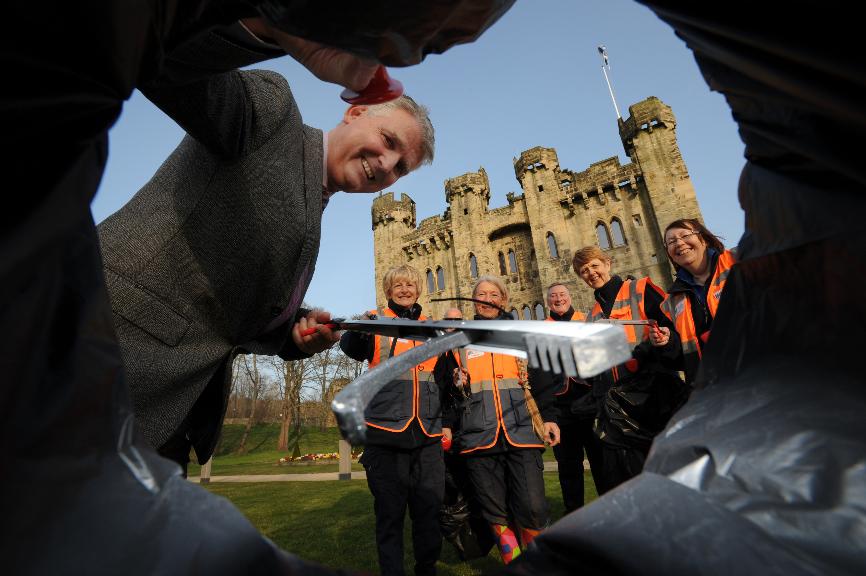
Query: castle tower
(468, 197)
(649, 138)
(392, 220)
(544, 184)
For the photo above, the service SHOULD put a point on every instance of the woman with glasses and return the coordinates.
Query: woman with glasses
(702, 268)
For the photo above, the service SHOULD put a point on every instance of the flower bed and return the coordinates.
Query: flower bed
(322, 457)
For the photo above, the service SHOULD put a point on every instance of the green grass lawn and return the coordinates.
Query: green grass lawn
(332, 522)
(262, 457)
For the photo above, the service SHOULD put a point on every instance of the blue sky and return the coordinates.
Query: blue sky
(533, 79)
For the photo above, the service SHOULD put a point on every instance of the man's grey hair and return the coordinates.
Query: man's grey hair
(563, 284)
(421, 115)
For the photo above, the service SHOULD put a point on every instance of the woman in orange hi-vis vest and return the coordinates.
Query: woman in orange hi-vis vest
(702, 265)
(403, 455)
(496, 434)
(635, 399)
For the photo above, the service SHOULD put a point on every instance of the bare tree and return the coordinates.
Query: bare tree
(294, 376)
(255, 380)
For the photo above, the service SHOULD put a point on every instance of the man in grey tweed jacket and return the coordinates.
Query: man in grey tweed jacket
(212, 257)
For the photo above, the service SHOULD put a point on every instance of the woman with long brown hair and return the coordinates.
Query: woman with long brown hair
(702, 267)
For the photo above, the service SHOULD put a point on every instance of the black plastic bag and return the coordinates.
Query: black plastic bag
(460, 517)
(394, 32)
(638, 407)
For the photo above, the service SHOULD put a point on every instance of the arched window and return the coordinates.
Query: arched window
(473, 266)
(551, 245)
(527, 313)
(603, 236)
(440, 277)
(431, 285)
(617, 232)
(502, 270)
(515, 314)
(539, 312)
(512, 261)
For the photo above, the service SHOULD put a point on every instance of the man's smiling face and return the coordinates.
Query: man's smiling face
(368, 153)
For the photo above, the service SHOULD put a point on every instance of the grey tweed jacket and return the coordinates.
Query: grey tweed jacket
(212, 248)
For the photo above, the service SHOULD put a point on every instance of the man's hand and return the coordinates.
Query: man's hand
(326, 63)
(447, 433)
(551, 433)
(461, 377)
(322, 339)
(659, 336)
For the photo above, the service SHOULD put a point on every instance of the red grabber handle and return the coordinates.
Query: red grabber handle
(332, 325)
(382, 88)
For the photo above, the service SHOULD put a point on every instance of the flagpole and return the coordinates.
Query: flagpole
(605, 66)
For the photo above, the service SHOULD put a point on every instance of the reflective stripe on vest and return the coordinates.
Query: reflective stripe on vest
(494, 380)
(720, 278)
(422, 372)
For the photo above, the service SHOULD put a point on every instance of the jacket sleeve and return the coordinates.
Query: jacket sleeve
(450, 399)
(358, 345)
(282, 336)
(543, 386)
(228, 111)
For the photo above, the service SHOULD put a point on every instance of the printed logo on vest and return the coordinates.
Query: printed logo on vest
(474, 353)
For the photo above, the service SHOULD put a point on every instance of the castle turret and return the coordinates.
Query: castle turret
(392, 219)
(649, 138)
(468, 195)
(537, 170)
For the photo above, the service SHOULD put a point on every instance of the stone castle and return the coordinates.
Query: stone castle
(531, 241)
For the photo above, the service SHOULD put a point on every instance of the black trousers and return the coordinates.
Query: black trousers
(577, 436)
(619, 463)
(406, 478)
(510, 486)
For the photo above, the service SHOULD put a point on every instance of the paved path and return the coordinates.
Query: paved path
(312, 477)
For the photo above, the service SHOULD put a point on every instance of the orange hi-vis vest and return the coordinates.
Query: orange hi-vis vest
(628, 305)
(413, 395)
(576, 316)
(678, 308)
(497, 404)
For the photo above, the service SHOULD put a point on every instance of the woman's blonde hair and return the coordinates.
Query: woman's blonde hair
(496, 281)
(402, 272)
(585, 254)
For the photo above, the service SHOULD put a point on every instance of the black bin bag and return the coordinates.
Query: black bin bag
(394, 32)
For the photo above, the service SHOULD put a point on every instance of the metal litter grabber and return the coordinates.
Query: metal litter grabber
(575, 349)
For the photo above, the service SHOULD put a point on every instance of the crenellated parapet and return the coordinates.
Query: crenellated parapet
(534, 159)
(386, 210)
(645, 116)
(601, 182)
(475, 183)
(433, 235)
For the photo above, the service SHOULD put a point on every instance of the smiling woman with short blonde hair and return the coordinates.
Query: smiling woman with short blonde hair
(397, 273)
